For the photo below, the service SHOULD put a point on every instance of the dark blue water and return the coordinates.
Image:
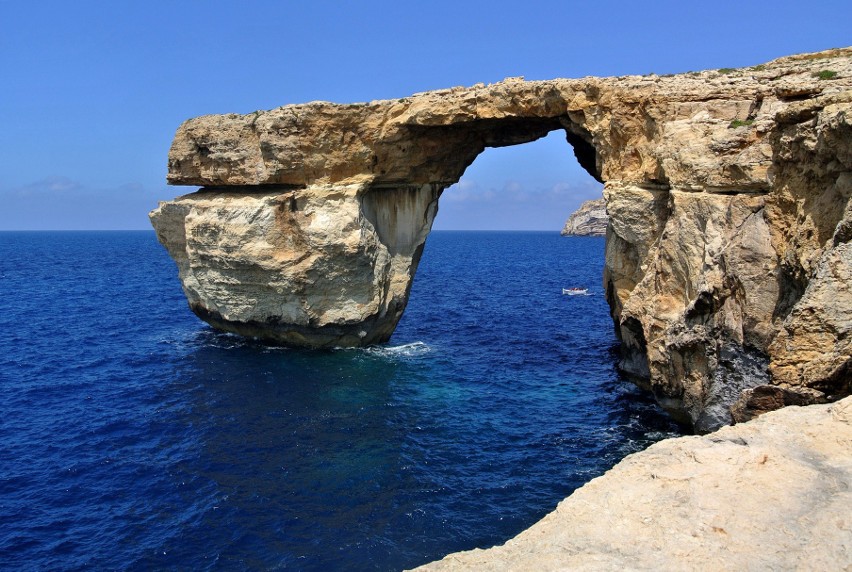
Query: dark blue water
(132, 436)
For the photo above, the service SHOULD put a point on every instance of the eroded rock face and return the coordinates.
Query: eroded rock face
(773, 494)
(588, 220)
(320, 266)
(728, 258)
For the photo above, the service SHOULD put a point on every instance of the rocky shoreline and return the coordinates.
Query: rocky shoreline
(771, 494)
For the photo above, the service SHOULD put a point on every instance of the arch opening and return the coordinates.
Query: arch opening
(520, 182)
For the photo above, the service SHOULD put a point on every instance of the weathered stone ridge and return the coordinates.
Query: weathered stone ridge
(772, 494)
(728, 261)
(588, 220)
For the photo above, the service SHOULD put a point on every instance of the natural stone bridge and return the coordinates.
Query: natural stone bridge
(728, 263)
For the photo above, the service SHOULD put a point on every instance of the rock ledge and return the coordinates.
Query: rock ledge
(771, 494)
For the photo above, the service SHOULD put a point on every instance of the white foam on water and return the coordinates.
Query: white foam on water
(410, 350)
(661, 435)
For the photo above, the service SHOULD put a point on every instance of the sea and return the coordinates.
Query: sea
(135, 437)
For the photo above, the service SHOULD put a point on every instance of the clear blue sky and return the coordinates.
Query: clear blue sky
(92, 92)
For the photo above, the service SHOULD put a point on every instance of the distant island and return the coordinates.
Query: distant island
(588, 220)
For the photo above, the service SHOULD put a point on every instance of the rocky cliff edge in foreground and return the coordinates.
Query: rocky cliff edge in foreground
(771, 494)
(728, 256)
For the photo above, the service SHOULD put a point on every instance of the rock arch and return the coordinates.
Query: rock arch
(728, 195)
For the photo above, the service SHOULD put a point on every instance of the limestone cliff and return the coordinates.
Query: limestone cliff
(588, 220)
(728, 260)
(772, 494)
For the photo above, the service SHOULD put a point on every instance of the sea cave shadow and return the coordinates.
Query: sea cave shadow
(632, 403)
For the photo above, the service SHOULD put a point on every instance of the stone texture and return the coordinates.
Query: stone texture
(321, 266)
(727, 261)
(772, 494)
(588, 220)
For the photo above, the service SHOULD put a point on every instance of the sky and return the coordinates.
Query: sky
(92, 92)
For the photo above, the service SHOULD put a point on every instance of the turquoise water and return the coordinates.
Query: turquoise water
(135, 437)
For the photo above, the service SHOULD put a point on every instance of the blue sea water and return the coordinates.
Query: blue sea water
(134, 437)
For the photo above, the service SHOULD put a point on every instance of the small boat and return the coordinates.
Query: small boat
(575, 291)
